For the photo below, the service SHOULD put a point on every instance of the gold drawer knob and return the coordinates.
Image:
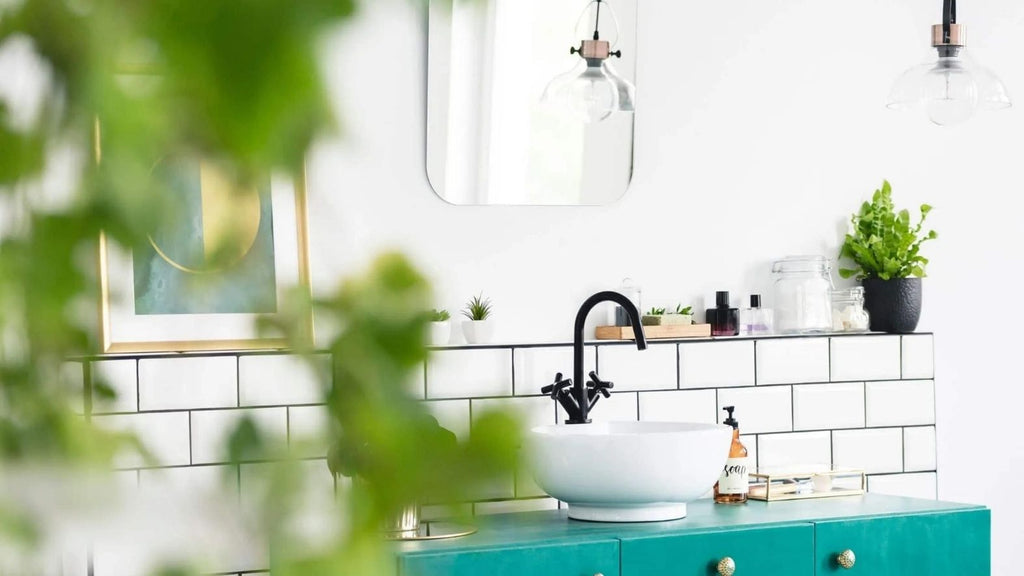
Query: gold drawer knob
(846, 559)
(726, 566)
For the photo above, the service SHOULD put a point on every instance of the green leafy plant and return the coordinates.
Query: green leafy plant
(656, 312)
(685, 311)
(478, 308)
(441, 315)
(884, 244)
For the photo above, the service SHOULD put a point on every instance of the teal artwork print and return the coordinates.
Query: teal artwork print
(213, 253)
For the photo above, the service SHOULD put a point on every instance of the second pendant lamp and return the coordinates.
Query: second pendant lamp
(952, 87)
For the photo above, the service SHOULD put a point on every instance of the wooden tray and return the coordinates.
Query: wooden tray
(654, 332)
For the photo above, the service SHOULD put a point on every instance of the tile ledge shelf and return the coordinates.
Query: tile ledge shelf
(490, 346)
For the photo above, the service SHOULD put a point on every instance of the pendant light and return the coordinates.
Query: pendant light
(952, 87)
(592, 91)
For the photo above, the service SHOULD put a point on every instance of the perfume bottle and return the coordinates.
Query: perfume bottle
(756, 321)
(734, 484)
(723, 319)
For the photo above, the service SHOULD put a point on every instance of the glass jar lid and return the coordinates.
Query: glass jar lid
(855, 293)
(802, 264)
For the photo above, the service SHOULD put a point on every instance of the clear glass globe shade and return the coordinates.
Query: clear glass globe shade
(626, 90)
(590, 95)
(950, 93)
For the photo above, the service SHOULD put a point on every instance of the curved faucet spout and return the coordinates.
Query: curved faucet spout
(579, 384)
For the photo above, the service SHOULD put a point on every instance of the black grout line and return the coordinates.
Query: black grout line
(755, 363)
(238, 381)
(190, 438)
(903, 439)
(138, 386)
(830, 377)
(288, 426)
(513, 351)
(679, 367)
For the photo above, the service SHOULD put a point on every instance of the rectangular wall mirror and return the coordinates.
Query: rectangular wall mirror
(514, 117)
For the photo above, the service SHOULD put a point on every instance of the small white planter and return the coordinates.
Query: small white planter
(478, 331)
(440, 333)
(677, 319)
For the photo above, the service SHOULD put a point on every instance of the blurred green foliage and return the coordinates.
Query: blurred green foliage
(238, 83)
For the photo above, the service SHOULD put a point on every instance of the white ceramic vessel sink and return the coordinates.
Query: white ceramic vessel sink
(628, 471)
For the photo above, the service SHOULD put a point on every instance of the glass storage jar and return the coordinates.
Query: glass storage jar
(848, 313)
(803, 294)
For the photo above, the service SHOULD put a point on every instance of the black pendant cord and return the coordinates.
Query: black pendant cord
(948, 19)
(597, 21)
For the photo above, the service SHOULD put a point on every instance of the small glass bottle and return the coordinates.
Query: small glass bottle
(734, 484)
(724, 320)
(756, 321)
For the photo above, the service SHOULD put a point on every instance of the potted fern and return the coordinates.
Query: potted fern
(440, 327)
(478, 327)
(886, 249)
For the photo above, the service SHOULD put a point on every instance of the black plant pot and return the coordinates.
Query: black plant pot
(894, 305)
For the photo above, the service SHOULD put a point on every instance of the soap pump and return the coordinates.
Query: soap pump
(734, 483)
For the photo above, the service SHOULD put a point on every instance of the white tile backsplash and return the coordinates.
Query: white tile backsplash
(184, 383)
(792, 360)
(532, 411)
(679, 406)
(874, 451)
(764, 409)
(307, 430)
(470, 373)
(509, 506)
(918, 485)
(165, 436)
(632, 369)
(919, 449)
(620, 407)
(211, 430)
(120, 376)
(828, 406)
(716, 364)
(282, 379)
(793, 452)
(536, 367)
(865, 358)
(900, 403)
(918, 356)
(452, 415)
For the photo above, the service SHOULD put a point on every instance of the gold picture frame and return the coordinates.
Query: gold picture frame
(123, 331)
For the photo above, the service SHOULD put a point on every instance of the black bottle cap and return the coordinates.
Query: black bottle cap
(722, 299)
(730, 421)
(755, 300)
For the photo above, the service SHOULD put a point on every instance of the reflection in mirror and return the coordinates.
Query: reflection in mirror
(527, 104)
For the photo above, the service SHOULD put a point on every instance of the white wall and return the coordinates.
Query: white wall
(754, 144)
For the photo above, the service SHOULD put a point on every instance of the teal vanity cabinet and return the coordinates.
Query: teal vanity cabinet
(870, 535)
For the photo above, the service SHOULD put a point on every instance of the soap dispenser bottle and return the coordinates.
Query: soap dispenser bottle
(734, 483)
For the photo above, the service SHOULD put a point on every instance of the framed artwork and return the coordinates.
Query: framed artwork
(224, 258)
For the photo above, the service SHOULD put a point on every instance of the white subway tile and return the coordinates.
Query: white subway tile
(793, 452)
(875, 451)
(469, 373)
(620, 407)
(716, 364)
(211, 430)
(120, 376)
(533, 411)
(792, 360)
(452, 415)
(165, 436)
(918, 356)
(766, 409)
(828, 406)
(72, 382)
(183, 383)
(416, 385)
(632, 369)
(900, 403)
(307, 430)
(865, 358)
(919, 485)
(919, 449)
(282, 379)
(749, 441)
(679, 406)
(536, 367)
(510, 506)
(195, 480)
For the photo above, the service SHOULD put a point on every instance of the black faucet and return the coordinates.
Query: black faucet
(584, 395)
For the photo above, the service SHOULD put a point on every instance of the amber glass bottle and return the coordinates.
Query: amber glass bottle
(734, 483)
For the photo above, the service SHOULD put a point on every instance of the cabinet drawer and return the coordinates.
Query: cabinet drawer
(581, 559)
(945, 544)
(778, 551)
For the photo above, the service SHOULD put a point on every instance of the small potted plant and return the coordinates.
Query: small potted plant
(886, 249)
(440, 327)
(681, 317)
(478, 327)
(653, 317)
